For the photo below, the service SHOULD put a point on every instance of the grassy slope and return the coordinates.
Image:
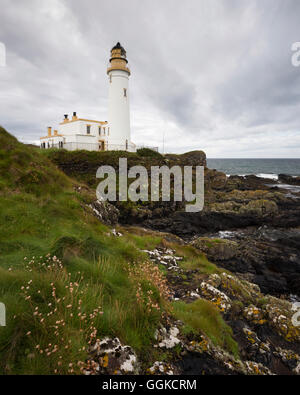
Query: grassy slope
(54, 304)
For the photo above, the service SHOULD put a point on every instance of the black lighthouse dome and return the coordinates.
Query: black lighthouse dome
(119, 46)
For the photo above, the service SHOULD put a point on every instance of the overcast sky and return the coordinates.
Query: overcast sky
(214, 75)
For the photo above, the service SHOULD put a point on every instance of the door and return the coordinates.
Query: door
(101, 145)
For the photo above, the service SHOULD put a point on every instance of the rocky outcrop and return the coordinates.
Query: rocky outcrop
(215, 180)
(268, 340)
(192, 158)
(272, 264)
(286, 179)
(264, 266)
(165, 257)
(167, 338)
(247, 183)
(232, 210)
(216, 249)
(105, 212)
(230, 202)
(109, 356)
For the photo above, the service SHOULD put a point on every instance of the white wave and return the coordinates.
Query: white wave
(267, 175)
(292, 188)
(260, 175)
(226, 234)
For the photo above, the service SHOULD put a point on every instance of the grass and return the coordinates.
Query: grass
(84, 164)
(193, 259)
(66, 280)
(144, 242)
(147, 152)
(202, 317)
(41, 215)
(55, 313)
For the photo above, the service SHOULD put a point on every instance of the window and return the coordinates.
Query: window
(88, 129)
(108, 131)
(99, 130)
(104, 131)
(126, 145)
(125, 92)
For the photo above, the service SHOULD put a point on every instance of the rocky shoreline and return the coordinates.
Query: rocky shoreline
(259, 229)
(250, 230)
(261, 325)
(255, 289)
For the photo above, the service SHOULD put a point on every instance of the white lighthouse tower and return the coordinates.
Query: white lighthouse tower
(118, 101)
(92, 135)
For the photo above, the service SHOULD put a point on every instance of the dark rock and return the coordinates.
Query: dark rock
(249, 182)
(202, 364)
(105, 212)
(192, 158)
(286, 179)
(216, 249)
(275, 266)
(215, 179)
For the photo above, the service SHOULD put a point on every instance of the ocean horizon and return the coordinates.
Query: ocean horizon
(267, 168)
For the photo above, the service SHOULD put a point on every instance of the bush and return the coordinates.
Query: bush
(147, 152)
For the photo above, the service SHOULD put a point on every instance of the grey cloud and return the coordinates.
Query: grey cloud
(211, 74)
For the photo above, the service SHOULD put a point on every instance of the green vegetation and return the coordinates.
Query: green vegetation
(84, 164)
(51, 305)
(41, 215)
(203, 317)
(147, 152)
(66, 280)
(194, 260)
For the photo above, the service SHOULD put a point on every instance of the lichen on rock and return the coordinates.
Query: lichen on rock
(109, 356)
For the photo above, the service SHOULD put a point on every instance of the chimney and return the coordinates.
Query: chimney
(74, 117)
(66, 118)
(55, 132)
(49, 131)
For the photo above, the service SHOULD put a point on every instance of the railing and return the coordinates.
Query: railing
(73, 146)
(120, 147)
(148, 147)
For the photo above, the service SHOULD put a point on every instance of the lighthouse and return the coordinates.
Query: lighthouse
(84, 133)
(118, 100)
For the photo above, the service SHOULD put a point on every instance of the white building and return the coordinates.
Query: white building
(80, 133)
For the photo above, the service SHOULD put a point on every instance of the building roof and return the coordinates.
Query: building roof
(84, 120)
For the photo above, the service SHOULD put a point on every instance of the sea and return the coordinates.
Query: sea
(266, 168)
